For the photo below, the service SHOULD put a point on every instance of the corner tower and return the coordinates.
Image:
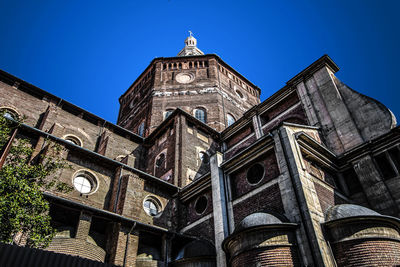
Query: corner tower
(201, 85)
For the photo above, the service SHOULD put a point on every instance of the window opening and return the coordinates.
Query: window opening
(84, 182)
(152, 207)
(160, 160)
(255, 173)
(141, 129)
(204, 157)
(167, 113)
(231, 120)
(200, 114)
(201, 205)
(384, 166)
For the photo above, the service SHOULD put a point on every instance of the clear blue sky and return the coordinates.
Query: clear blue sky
(89, 52)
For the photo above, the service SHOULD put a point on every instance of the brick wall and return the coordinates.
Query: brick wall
(165, 143)
(203, 230)
(240, 135)
(279, 108)
(373, 252)
(327, 197)
(241, 186)
(190, 213)
(271, 256)
(269, 199)
(77, 247)
(194, 141)
(296, 115)
(237, 149)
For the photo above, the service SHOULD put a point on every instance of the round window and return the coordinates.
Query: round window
(201, 204)
(83, 184)
(255, 173)
(151, 206)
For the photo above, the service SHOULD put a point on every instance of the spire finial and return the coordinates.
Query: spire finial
(190, 48)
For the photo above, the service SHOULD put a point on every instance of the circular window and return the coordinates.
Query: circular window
(152, 206)
(201, 204)
(184, 77)
(255, 173)
(85, 183)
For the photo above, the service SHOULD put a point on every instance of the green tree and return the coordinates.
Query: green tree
(23, 210)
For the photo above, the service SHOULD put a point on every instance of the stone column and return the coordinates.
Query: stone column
(219, 206)
(307, 211)
(257, 126)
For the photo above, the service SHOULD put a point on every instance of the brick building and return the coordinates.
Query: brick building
(198, 172)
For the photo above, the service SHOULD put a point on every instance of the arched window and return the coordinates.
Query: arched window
(200, 114)
(73, 139)
(9, 113)
(239, 94)
(160, 160)
(141, 129)
(204, 157)
(167, 113)
(230, 119)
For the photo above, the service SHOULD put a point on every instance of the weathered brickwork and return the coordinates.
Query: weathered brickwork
(185, 179)
(274, 256)
(278, 109)
(204, 230)
(77, 247)
(367, 253)
(191, 214)
(267, 200)
(240, 147)
(164, 147)
(235, 138)
(327, 198)
(240, 183)
(184, 82)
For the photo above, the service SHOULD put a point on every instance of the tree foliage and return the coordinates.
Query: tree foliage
(24, 213)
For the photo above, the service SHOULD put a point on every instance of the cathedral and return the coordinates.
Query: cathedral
(197, 172)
